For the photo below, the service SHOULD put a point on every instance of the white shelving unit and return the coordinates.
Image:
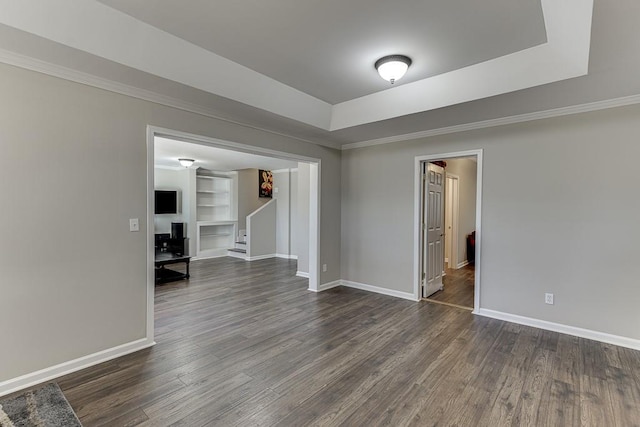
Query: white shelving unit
(213, 198)
(216, 229)
(215, 238)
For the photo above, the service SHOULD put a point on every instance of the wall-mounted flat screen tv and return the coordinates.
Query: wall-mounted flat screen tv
(166, 202)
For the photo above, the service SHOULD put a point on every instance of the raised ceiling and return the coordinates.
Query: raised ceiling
(160, 50)
(327, 48)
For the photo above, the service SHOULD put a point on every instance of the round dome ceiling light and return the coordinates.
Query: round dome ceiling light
(393, 67)
(186, 162)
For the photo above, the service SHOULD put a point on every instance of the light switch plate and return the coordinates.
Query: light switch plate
(134, 224)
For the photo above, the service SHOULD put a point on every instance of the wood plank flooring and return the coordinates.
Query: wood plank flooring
(244, 343)
(458, 287)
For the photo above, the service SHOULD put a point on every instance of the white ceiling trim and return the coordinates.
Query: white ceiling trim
(538, 115)
(565, 55)
(92, 27)
(33, 64)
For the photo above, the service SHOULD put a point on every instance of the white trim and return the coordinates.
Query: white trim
(314, 225)
(285, 256)
(229, 145)
(378, 290)
(47, 374)
(564, 55)
(328, 285)
(563, 329)
(198, 258)
(502, 121)
(416, 219)
(306, 276)
(33, 64)
(54, 70)
(151, 270)
(259, 257)
(260, 209)
(463, 264)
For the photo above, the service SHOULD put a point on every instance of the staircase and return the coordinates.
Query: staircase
(258, 241)
(239, 249)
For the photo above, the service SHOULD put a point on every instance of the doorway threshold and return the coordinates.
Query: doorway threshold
(462, 307)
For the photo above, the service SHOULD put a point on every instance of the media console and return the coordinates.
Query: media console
(164, 275)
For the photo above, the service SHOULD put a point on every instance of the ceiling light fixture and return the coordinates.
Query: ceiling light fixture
(186, 162)
(393, 67)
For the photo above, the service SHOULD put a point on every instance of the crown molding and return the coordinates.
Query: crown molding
(54, 70)
(564, 55)
(538, 115)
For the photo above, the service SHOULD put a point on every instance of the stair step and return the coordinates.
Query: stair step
(242, 251)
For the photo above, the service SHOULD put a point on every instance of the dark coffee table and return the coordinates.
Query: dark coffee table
(164, 275)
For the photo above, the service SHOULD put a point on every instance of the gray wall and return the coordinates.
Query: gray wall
(72, 173)
(261, 230)
(282, 193)
(248, 199)
(466, 170)
(559, 214)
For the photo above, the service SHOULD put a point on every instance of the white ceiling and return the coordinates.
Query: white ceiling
(259, 67)
(327, 48)
(168, 151)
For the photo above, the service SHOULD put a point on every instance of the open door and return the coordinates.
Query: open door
(432, 246)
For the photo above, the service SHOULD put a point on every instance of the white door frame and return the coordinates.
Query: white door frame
(417, 223)
(455, 218)
(314, 206)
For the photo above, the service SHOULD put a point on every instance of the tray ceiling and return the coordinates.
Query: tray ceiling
(269, 64)
(327, 49)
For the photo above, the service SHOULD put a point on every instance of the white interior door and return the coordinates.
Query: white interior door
(433, 229)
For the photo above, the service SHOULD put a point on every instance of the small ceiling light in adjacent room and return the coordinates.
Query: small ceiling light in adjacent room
(393, 67)
(186, 162)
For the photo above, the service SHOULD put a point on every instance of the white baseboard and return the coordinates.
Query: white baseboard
(259, 257)
(563, 329)
(378, 290)
(302, 274)
(198, 258)
(285, 256)
(47, 374)
(463, 264)
(328, 285)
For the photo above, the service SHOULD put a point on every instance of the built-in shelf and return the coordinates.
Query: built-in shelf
(214, 238)
(216, 229)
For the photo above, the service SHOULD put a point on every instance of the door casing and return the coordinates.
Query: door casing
(418, 160)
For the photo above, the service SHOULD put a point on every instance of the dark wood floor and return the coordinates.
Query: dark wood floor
(458, 287)
(246, 344)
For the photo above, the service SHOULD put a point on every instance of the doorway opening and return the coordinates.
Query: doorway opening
(448, 194)
(212, 204)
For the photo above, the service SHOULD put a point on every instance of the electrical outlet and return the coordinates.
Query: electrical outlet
(548, 299)
(324, 268)
(134, 224)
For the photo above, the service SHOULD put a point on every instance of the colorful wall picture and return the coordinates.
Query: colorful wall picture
(265, 183)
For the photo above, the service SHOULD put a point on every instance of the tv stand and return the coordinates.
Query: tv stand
(165, 275)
